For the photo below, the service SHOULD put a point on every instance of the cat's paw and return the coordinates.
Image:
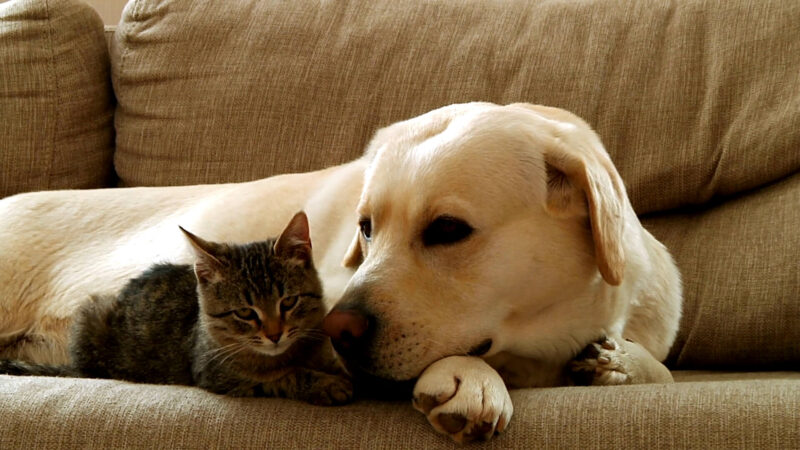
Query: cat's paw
(601, 363)
(329, 390)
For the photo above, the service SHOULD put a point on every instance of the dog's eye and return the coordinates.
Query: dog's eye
(366, 228)
(446, 230)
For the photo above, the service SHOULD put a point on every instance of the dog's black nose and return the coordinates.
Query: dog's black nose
(347, 328)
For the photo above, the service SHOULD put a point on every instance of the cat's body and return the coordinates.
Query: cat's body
(243, 322)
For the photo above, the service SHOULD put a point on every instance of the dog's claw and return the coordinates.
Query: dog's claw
(608, 344)
(601, 363)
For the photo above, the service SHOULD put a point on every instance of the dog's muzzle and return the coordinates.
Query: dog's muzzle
(351, 328)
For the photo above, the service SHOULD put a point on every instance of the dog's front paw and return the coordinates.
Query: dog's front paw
(601, 363)
(463, 397)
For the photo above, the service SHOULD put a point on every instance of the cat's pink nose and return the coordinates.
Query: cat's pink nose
(345, 327)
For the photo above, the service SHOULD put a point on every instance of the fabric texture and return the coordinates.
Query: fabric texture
(693, 99)
(741, 279)
(755, 411)
(56, 103)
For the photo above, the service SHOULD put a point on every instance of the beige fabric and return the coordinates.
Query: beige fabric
(108, 33)
(740, 270)
(693, 99)
(55, 97)
(687, 376)
(94, 414)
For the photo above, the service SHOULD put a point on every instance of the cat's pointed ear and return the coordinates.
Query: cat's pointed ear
(207, 265)
(295, 240)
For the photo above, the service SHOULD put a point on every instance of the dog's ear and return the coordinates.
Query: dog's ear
(581, 179)
(354, 255)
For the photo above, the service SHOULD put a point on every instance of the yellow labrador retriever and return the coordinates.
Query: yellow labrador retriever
(494, 247)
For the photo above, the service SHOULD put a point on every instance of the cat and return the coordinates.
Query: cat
(244, 321)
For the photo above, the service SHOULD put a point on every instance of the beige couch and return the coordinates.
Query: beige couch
(697, 102)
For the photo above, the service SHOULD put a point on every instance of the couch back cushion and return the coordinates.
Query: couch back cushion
(695, 101)
(741, 279)
(56, 102)
(692, 99)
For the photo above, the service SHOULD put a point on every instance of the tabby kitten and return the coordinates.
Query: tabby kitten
(245, 321)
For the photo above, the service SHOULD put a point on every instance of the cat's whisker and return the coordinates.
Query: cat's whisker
(232, 354)
(294, 336)
(214, 351)
(225, 352)
(312, 337)
(311, 333)
(314, 331)
(223, 347)
(307, 331)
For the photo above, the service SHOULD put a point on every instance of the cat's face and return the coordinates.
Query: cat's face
(267, 311)
(264, 296)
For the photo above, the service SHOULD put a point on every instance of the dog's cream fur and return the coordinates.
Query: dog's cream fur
(557, 259)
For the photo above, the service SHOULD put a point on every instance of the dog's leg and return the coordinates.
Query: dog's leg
(463, 397)
(611, 361)
(44, 343)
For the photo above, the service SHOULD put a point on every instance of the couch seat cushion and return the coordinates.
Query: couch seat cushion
(741, 411)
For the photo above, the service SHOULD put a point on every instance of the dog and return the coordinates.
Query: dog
(504, 233)
(473, 249)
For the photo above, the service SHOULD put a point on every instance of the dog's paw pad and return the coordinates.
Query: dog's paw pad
(452, 422)
(481, 432)
(424, 403)
(601, 363)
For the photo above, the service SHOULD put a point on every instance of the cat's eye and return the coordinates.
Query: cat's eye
(246, 314)
(366, 228)
(445, 230)
(288, 303)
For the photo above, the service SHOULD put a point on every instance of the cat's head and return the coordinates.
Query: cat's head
(263, 296)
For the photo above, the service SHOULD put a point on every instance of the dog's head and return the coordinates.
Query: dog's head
(477, 222)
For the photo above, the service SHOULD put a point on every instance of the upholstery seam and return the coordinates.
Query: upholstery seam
(121, 37)
(53, 97)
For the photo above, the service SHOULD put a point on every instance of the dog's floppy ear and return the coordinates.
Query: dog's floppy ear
(354, 255)
(581, 176)
(577, 178)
